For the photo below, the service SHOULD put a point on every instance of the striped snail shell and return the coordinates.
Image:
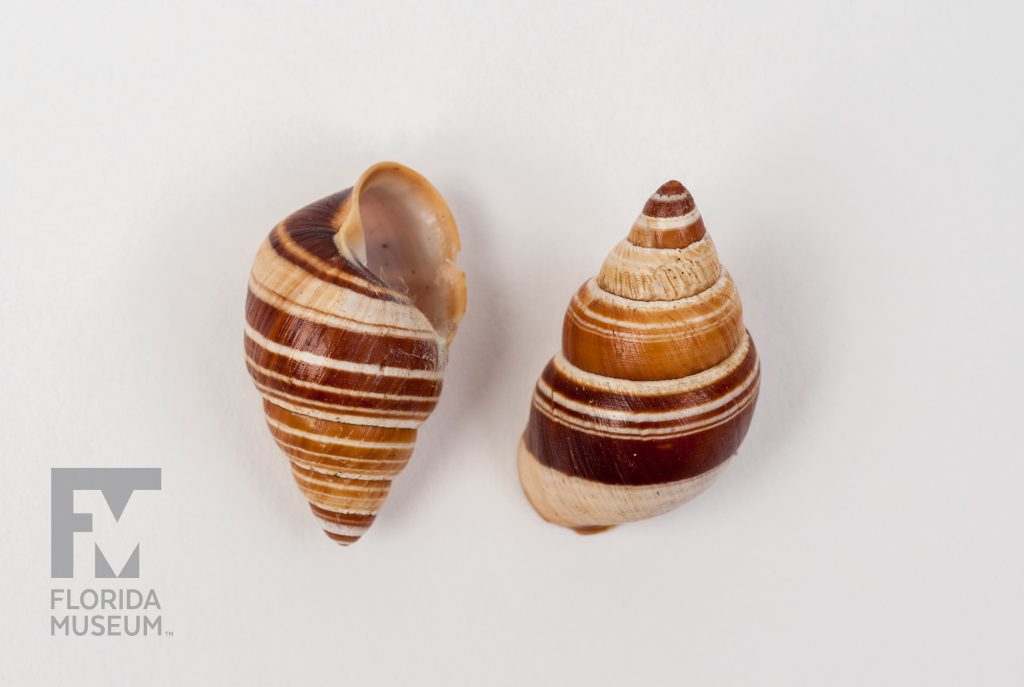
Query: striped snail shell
(656, 382)
(352, 304)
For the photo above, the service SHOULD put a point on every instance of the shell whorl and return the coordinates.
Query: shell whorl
(656, 382)
(348, 361)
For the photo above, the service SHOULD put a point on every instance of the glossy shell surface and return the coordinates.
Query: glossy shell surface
(351, 305)
(655, 385)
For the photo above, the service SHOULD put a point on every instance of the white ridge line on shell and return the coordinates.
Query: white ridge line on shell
(337, 528)
(335, 485)
(324, 439)
(668, 223)
(724, 282)
(657, 387)
(340, 365)
(296, 284)
(310, 314)
(597, 429)
(382, 422)
(643, 417)
(286, 447)
(669, 197)
(323, 406)
(336, 389)
(339, 474)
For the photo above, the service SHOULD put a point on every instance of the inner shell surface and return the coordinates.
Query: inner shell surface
(410, 244)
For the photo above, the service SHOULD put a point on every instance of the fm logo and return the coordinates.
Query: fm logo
(117, 486)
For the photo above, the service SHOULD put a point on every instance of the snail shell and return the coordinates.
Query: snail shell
(656, 382)
(352, 304)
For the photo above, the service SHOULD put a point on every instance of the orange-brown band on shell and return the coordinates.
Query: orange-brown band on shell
(615, 337)
(667, 238)
(321, 431)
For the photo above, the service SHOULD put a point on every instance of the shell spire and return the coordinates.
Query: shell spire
(656, 382)
(670, 219)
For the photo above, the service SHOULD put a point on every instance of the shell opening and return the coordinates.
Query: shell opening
(409, 241)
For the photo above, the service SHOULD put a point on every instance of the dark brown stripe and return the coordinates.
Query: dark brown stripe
(635, 461)
(321, 213)
(313, 241)
(312, 228)
(349, 519)
(689, 423)
(353, 381)
(340, 397)
(630, 461)
(342, 539)
(339, 344)
(308, 407)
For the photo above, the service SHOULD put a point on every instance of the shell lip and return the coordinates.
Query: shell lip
(448, 279)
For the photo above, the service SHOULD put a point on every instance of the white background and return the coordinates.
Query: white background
(859, 166)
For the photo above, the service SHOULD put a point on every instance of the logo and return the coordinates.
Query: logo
(117, 486)
(88, 610)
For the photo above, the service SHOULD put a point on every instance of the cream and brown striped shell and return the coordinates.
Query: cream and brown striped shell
(656, 382)
(352, 304)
